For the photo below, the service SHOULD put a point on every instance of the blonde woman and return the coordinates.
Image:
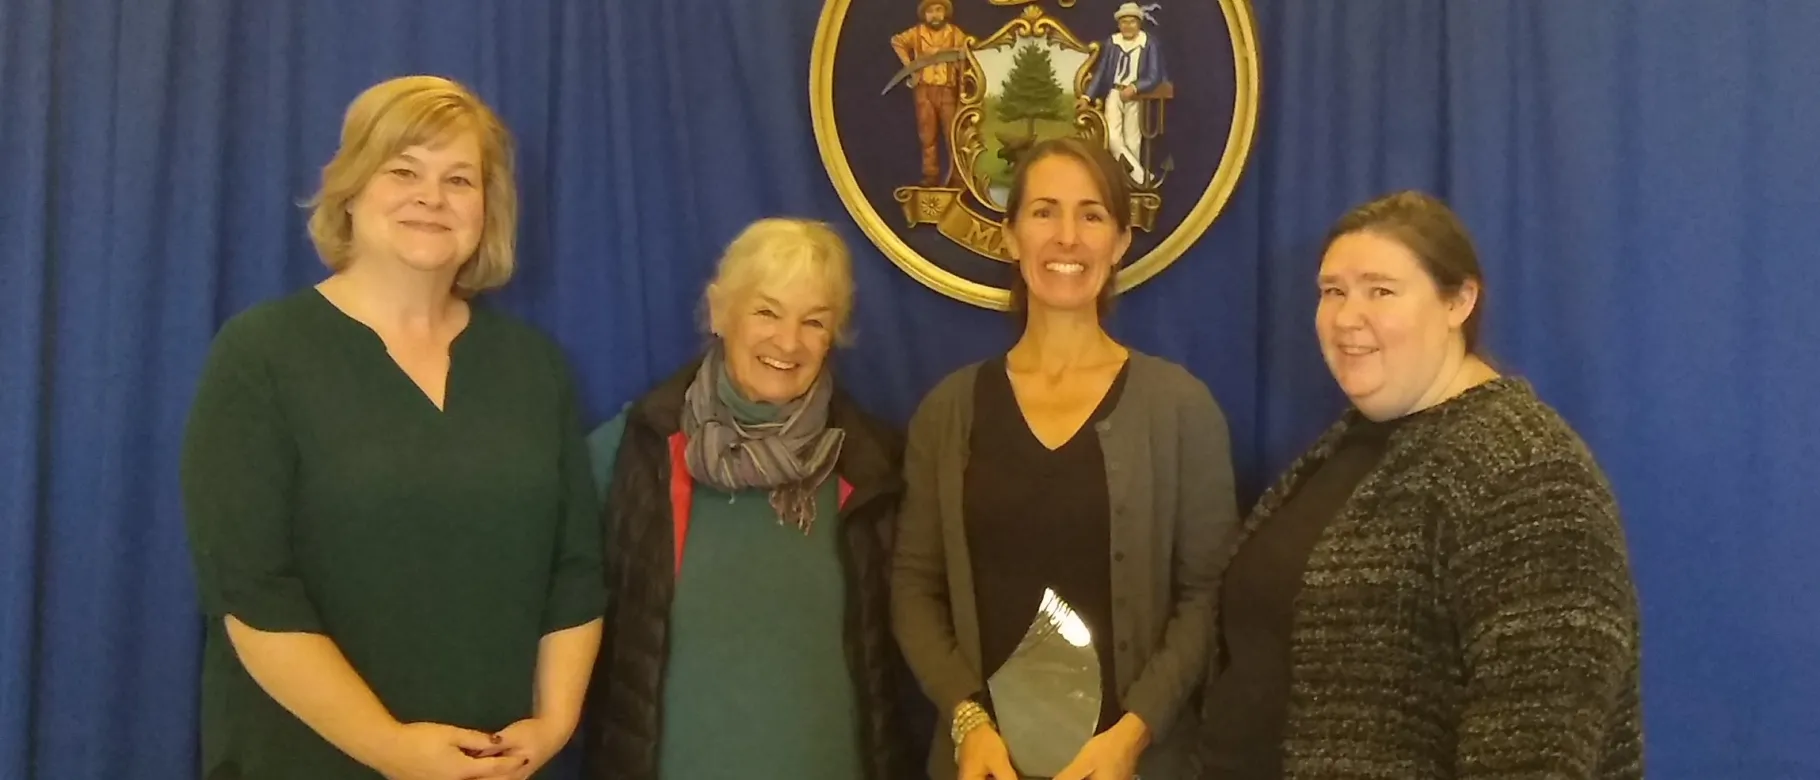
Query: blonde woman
(386, 487)
(748, 502)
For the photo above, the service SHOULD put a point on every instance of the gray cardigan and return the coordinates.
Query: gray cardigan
(1469, 613)
(1174, 515)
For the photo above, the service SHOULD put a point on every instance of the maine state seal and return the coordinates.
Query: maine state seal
(922, 109)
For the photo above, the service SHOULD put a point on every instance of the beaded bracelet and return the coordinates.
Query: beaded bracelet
(968, 715)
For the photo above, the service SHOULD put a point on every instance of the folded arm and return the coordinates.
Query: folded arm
(237, 470)
(920, 614)
(1206, 521)
(1546, 614)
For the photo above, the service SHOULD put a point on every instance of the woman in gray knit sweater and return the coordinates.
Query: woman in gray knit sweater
(1439, 588)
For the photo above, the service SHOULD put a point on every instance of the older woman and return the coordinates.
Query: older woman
(1074, 464)
(386, 484)
(748, 507)
(1439, 588)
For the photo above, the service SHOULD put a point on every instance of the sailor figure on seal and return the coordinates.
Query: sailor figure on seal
(1131, 64)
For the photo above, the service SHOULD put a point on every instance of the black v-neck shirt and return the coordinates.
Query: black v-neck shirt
(1038, 519)
(326, 494)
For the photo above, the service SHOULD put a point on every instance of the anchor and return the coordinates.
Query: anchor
(1152, 119)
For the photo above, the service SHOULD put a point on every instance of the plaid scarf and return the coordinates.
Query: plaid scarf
(790, 456)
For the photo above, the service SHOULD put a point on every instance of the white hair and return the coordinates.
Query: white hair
(782, 251)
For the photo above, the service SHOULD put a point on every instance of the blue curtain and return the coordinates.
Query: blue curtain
(1641, 180)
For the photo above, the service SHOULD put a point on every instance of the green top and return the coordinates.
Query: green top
(757, 684)
(326, 494)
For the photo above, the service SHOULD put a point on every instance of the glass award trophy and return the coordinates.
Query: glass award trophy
(1046, 696)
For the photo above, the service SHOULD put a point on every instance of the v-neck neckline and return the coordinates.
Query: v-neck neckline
(394, 368)
(1101, 408)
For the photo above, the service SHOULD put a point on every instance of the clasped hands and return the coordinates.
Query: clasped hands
(1110, 755)
(433, 751)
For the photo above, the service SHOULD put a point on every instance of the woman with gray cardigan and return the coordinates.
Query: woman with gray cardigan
(1071, 465)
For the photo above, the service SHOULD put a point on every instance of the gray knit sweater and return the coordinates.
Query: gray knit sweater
(1470, 611)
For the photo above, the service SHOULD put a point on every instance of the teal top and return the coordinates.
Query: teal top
(757, 685)
(324, 493)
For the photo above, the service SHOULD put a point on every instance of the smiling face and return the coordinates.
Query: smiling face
(424, 208)
(1064, 238)
(776, 338)
(1387, 331)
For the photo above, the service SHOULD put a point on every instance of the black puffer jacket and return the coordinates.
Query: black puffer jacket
(621, 734)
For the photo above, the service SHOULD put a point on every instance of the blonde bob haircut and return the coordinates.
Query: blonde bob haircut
(783, 251)
(395, 115)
